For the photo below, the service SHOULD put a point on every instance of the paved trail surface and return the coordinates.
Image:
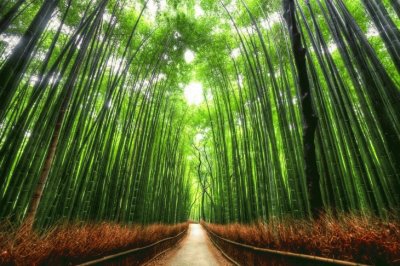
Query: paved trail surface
(194, 250)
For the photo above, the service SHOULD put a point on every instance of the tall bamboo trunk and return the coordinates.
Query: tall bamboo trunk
(310, 119)
(9, 16)
(14, 68)
(69, 87)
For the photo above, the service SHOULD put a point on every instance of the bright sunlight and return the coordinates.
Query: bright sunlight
(189, 56)
(194, 93)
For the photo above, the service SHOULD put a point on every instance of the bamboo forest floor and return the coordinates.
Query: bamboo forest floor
(348, 237)
(352, 238)
(196, 249)
(71, 244)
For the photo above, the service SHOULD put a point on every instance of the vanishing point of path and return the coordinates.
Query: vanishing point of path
(195, 250)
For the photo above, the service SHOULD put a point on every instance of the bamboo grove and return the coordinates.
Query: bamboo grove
(300, 110)
(88, 120)
(253, 164)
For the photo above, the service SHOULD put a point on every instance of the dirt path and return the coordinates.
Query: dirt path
(196, 249)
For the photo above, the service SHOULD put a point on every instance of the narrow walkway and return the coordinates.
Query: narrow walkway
(195, 250)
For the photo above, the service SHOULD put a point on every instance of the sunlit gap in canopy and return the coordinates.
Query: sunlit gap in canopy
(194, 93)
(189, 56)
(198, 138)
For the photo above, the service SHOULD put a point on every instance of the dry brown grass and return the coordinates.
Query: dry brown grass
(350, 237)
(77, 242)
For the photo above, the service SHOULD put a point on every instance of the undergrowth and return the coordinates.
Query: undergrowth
(77, 242)
(349, 237)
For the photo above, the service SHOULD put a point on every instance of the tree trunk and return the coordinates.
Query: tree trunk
(69, 87)
(203, 213)
(310, 120)
(14, 67)
(8, 17)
